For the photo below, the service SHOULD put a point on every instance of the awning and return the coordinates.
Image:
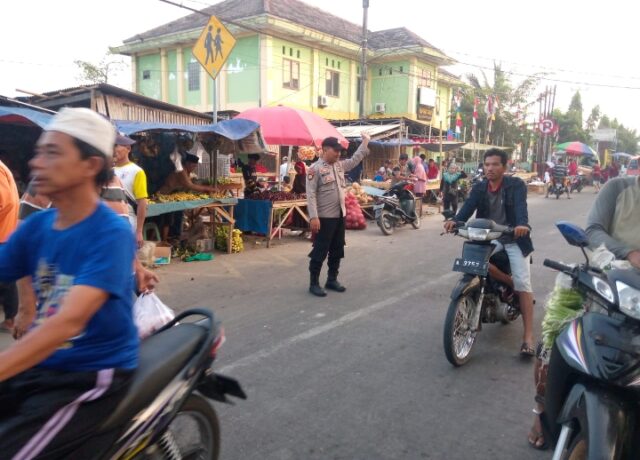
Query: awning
(375, 131)
(447, 146)
(23, 116)
(235, 129)
(483, 147)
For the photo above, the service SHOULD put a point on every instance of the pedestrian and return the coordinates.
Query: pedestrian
(405, 166)
(432, 171)
(80, 359)
(300, 181)
(503, 199)
(449, 187)
(9, 206)
(420, 177)
(388, 167)
(597, 177)
(326, 206)
(284, 168)
(134, 180)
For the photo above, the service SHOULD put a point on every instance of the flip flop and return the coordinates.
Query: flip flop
(535, 442)
(527, 351)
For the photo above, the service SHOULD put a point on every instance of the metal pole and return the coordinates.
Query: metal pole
(363, 62)
(215, 103)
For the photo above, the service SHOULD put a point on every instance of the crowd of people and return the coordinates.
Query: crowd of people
(74, 261)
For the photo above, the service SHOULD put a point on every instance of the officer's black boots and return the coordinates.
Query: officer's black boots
(314, 285)
(332, 279)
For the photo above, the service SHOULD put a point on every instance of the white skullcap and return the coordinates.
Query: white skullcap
(87, 126)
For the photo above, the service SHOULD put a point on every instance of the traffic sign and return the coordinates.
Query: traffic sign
(214, 46)
(547, 126)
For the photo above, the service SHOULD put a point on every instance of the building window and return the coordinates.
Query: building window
(146, 75)
(193, 75)
(424, 79)
(390, 70)
(401, 69)
(298, 54)
(338, 64)
(333, 83)
(380, 72)
(290, 74)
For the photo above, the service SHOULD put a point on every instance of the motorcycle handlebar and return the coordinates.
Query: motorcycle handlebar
(557, 265)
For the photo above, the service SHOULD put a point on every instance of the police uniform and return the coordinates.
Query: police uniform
(325, 200)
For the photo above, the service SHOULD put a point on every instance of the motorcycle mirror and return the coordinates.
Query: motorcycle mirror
(574, 235)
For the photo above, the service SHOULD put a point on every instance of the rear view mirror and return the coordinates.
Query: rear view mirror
(574, 235)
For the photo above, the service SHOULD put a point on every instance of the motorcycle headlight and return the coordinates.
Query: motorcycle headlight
(478, 234)
(629, 299)
(603, 288)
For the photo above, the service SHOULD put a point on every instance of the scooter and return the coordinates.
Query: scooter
(396, 207)
(477, 298)
(166, 413)
(577, 183)
(558, 187)
(592, 408)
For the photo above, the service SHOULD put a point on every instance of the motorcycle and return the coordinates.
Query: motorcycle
(396, 207)
(166, 413)
(558, 187)
(477, 298)
(577, 183)
(591, 408)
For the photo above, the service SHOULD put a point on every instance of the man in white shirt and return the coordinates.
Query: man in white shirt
(284, 168)
(134, 180)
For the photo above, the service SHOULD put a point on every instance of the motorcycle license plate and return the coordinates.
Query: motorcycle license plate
(474, 267)
(474, 260)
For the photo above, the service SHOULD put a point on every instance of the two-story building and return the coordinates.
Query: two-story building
(294, 54)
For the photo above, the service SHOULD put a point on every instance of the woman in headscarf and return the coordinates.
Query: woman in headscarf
(420, 177)
(449, 187)
(300, 181)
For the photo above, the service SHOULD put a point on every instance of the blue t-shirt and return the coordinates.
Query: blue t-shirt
(97, 252)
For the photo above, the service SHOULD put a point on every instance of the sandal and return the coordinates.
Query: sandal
(526, 350)
(536, 438)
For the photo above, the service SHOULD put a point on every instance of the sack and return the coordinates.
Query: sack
(150, 314)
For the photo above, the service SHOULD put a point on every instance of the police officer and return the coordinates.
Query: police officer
(325, 203)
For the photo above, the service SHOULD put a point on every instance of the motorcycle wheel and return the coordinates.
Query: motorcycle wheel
(458, 337)
(386, 223)
(416, 222)
(558, 193)
(194, 432)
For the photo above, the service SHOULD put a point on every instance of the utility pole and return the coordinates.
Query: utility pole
(363, 61)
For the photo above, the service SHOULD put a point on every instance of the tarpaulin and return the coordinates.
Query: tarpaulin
(235, 129)
(253, 216)
(23, 116)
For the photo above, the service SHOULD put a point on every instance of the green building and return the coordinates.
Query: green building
(291, 53)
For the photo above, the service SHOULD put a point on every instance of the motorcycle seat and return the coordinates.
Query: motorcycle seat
(161, 357)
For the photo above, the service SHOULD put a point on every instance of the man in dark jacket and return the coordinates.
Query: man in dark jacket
(503, 199)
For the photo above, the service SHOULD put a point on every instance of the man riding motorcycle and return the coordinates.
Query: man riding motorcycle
(503, 199)
(559, 175)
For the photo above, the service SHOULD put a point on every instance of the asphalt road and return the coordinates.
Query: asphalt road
(362, 375)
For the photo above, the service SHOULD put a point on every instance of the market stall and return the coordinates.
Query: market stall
(270, 213)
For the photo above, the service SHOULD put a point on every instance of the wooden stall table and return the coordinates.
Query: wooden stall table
(269, 218)
(432, 190)
(220, 209)
(234, 188)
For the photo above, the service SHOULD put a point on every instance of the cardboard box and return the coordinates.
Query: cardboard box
(162, 255)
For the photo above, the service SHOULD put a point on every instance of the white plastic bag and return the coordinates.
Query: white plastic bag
(150, 314)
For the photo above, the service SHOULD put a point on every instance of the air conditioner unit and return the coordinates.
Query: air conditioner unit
(380, 107)
(322, 101)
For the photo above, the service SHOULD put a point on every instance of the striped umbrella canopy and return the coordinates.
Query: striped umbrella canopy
(575, 148)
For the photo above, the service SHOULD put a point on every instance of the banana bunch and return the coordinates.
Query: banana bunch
(222, 235)
(180, 196)
(225, 180)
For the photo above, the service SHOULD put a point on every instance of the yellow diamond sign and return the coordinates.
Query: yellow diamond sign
(214, 46)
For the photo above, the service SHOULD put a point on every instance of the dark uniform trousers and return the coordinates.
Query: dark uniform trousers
(328, 242)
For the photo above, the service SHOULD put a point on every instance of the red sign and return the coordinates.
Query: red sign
(547, 126)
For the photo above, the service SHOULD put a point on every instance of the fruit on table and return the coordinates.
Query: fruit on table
(277, 196)
(185, 196)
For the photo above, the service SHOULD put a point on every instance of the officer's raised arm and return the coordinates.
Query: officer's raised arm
(358, 156)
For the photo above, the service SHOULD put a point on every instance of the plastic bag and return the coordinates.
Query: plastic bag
(150, 314)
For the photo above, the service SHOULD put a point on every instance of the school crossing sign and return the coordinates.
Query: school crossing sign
(214, 46)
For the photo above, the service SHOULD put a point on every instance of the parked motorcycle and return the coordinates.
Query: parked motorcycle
(577, 183)
(592, 395)
(396, 207)
(166, 413)
(477, 298)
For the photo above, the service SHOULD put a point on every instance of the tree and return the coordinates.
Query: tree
(627, 140)
(605, 122)
(513, 101)
(594, 117)
(92, 73)
(570, 127)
